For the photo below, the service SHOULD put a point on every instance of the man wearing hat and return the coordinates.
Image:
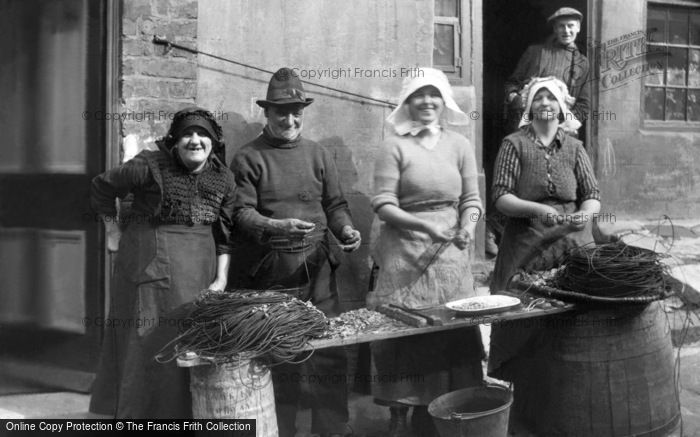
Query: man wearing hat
(558, 56)
(288, 200)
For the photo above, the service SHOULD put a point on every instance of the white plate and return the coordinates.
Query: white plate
(483, 304)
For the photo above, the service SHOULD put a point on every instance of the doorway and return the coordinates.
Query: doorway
(51, 258)
(509, 28)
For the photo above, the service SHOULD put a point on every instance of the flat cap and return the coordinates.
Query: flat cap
(565, 12)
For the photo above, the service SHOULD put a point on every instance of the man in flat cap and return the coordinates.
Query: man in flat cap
(288, 199)
(558, 56)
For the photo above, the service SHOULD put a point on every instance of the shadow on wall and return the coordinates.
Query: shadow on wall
(237, 132)
(353, 273)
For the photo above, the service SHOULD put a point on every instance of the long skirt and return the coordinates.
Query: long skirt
(415, 272)
(158, 271)
(519, 351)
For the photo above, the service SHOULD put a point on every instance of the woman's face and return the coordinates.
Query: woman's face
(426, 105)
(194, 147)
(545, 106)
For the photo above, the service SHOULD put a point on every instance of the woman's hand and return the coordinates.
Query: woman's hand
(463, 237)
(578, 221)
(219, 284)
(549, 216)
(437, 233)
(112, 233)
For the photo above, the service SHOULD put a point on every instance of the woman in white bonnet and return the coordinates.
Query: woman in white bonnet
(427, 198)
(544, 184)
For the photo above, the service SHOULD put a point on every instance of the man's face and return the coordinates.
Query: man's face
(566, 29)
(285, 121)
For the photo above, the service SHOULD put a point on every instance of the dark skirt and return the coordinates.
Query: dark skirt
(519, 350)
(158, 271)
(415, 370)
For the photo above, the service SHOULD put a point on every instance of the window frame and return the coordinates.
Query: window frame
(454, 72)
(686, 6)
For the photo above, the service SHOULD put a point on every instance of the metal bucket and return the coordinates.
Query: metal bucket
(476, 411)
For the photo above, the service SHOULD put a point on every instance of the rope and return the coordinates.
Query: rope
(159, 40)
(612, 270)
(269, 326)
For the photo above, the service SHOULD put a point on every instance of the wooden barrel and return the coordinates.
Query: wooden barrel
(611, 373)
(240, 390)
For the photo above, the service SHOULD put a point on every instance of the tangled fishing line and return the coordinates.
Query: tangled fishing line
(612, 270)
(272, 327)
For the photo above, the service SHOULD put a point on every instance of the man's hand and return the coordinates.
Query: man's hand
(350, 239)
(290, 228)
(570, 101)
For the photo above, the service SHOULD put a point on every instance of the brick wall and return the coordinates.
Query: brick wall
(155, 82)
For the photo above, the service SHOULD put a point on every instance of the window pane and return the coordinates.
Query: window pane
(656, 59)
(695, 29)
(694, 68)
(444, 45)
(446, 8)
(656, 25)
(675, 104)
(678, 27)
(654, 103)
(677, 66)
(693, 105)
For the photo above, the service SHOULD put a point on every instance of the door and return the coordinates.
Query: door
(509, 28)
(51, 261)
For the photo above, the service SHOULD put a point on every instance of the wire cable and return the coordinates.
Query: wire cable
(159, 40)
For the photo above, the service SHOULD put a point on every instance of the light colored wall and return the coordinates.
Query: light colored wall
(655, 171)
(319, 34)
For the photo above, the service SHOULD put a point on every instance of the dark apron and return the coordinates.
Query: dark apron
(304, 269)
(159, 271)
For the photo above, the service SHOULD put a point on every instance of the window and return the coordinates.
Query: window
(447, 36)
(672, 87)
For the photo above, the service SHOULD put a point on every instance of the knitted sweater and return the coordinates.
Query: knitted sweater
(553, 59)
(280, 179)
(409, 176)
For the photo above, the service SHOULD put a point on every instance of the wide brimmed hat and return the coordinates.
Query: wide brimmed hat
(285, 88)
(565, 12)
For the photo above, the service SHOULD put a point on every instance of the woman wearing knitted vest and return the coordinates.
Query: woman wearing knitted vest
(544, 184)
(427, 198)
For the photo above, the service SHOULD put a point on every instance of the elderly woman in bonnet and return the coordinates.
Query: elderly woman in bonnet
(173, 242)
(544, 183)
(427, 199)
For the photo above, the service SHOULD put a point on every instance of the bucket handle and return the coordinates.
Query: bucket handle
(460, 416)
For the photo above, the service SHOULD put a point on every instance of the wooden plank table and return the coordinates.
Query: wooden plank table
(400, 329)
